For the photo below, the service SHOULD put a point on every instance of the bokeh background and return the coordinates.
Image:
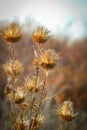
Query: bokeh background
(67, 21)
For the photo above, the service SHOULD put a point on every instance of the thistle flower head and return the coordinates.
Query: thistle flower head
(41, 35)
(49, 59)
(22, 125)
(18, 97)
(66, 112)
(32, 85)
(40, 119)
(8, 89)
(12, 33)
(13, 68)
(23, 105)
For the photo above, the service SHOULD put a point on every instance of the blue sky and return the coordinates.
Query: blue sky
(65, 17)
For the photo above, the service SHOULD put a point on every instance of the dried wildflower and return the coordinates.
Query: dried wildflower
(23, 105)
(18, 97)
(32, 85)
(41, 35)
(17, 68)
(8, 89)
(12, 33)
(13, 69)
(22, 124)
(49, 59)
(39, 121)
(65, 111)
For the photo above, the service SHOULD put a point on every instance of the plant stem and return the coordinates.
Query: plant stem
(42, 92)
(12, 58)
(33, 100)
(64, 124)
(40, 103)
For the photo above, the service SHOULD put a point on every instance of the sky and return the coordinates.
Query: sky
(64, 17)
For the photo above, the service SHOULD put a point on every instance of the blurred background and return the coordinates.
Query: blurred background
(67, 21)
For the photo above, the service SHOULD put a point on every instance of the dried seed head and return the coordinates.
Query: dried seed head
(23, 105)
(49, 59)
(66, 112)
(17, 67)
(32, 85)
(13, 69)
(41, 35)
(40, 119)
(12, 33)
(22, 125)
(18, 97)
(8, 89)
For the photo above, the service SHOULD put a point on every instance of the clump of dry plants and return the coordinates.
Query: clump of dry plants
(25, 107)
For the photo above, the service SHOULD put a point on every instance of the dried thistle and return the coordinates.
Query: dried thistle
(49, 59)
(32, 85)
(12, 33)
(8, 89)
(22, 124)
(39, 121)
(18, 97)
(23, 105)
(66, 112)
(41, 35)
(13, 68)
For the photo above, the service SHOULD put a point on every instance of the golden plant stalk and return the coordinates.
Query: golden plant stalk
(25, 110)
(40, 36)
(13, 87)
(32, 122)
(12, 34)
